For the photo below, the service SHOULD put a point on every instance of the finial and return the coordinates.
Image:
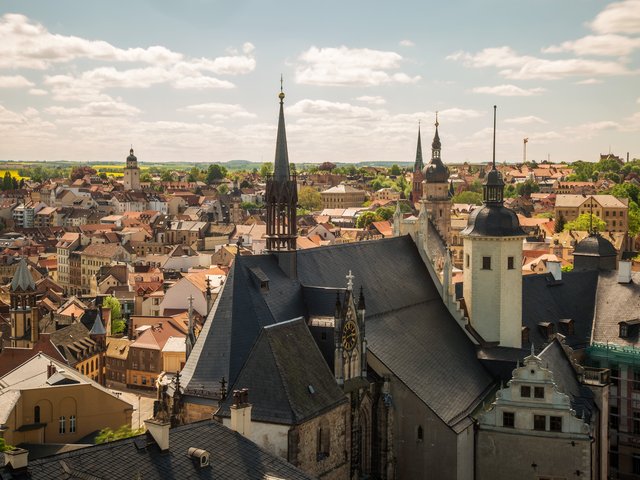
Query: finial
(533, 353)
(494, 136)
(350, 278)
(281, 95)
(437, 124)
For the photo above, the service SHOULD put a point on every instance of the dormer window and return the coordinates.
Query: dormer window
(546, 329)
(567, 326)
(629, 328)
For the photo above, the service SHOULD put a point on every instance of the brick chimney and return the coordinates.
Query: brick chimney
(241, 412)
(51, 369)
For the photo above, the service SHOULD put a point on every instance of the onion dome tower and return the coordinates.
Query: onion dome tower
(131, 173)
(436, 189)
(492, 287)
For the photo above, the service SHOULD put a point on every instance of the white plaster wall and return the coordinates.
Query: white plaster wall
(270, 436)
(486, 289)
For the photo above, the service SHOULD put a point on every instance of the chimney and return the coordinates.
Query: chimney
(17, 459)
(554, 269)
(241, 412)
(159, 431)
(51, 369)
(624, 271)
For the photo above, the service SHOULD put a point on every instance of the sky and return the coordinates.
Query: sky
(198, 80)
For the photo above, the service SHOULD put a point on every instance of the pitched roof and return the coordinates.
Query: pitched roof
(22, 279)
(232, 457)
(616, 302)
(288, 380)
(408, 327)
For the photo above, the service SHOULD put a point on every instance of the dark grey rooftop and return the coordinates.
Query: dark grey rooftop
(616, 302)
(547, 300)
(493, 221)
(408, 327)
(595, 245)
(564, 375)
(232, 457)
(22, 279)
(288, 380)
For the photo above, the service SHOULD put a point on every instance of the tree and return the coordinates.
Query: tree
(625, 190)
(223, 189)
(81, 171)
(560, 222)
(309, 198)
(7, 184)
(266, 169)
(473, 198)
(146, 177)
(326, 166)
(3, 445)
(365, 219)
(166, 176)
(194, 174)
(526, 188)
(395, 170)
(384, 213)
(215, 172)
(248, 206)
(125, 431)
(117, 324)
(634, 219)
(584, 222)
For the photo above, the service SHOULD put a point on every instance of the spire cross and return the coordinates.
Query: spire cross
(437, 124)
(350, 278)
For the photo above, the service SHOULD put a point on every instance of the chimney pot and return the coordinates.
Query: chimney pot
(17, 459)
(159, 431)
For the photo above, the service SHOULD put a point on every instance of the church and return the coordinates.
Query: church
(360, 360)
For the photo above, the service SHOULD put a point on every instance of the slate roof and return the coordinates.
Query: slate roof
(546, 300)
(283, 388)
(564, 376)
(231, 455)
(616, 302)
(493, 221)
(22, 279)
(408, 327)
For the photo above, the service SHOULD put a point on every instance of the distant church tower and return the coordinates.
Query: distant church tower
(281, 203)
(436, 189)
(416, 188)
(132, 173)
(25, 316)
(492, 288)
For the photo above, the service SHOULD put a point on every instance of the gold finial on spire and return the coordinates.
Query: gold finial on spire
(281, 95)
(437, 124)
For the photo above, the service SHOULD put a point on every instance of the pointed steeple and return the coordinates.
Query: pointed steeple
(281, 167)
(419, 164)
(493, 187)
(436, 171)
(98, 326)
(22, 279)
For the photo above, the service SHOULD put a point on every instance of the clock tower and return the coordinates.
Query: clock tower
(131, 176)
(25, 316)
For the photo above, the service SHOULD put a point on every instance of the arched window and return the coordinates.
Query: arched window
(61, 425)
(323, 440)
(36, 414)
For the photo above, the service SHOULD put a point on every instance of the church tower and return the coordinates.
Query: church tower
(492, 287)
(25, 316)
(416, 188)
(131, 173)
(436, 189)
(281, 203)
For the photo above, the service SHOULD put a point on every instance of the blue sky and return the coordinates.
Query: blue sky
(197, 80)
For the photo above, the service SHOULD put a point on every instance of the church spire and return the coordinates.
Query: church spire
(493, 188)
(281, 167)
(419, 164)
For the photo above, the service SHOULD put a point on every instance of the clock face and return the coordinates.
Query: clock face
(349, 335)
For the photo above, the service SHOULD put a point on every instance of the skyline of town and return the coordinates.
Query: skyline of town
(200, 83)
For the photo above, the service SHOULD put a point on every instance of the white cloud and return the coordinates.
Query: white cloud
(591, 129)
(524, 120)
(38, 92)
(113, 108)
(350, 66)
(14, 81)
(327, 109)
(525, 67)
(618, 17)
(589, 81)
(407, 43)
(604, 45)
(220, 110)
(372, 99)
(509, 91)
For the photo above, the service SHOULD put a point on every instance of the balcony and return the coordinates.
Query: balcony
(596, 376)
